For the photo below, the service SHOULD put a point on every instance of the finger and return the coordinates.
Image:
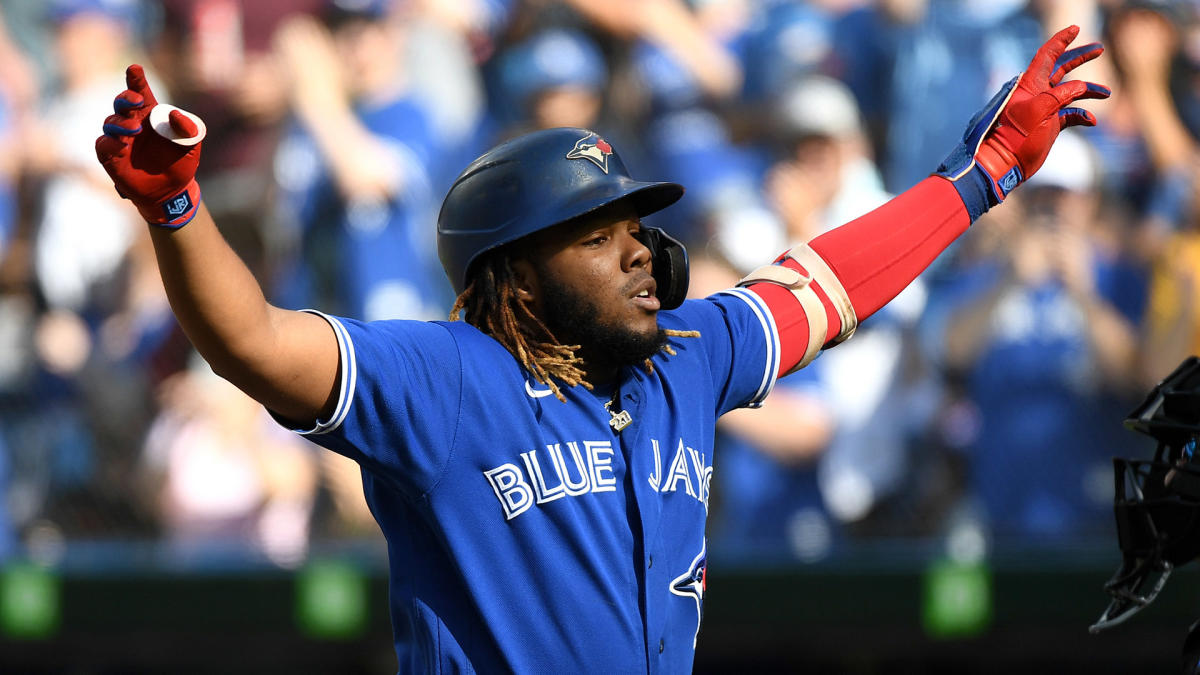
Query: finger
(127, 101)
(108, 150)
(108, 147)
(135, 79)
(1075, 117)
(1095, 90)
(1074, 58)
(1079, 89)
(1045, 58)
(182, 125)
(119, 125)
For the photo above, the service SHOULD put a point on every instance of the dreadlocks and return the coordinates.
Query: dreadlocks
(490, 304)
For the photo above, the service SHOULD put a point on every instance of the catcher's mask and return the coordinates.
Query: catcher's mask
(543, 179)
(1157, 502)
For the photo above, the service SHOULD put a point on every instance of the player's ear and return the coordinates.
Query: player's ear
(527, 280)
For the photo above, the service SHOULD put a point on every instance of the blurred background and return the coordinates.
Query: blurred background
(932, 496)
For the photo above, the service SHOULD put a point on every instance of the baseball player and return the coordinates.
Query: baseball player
(540, 463)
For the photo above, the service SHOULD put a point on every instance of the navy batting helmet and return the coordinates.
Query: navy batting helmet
(543, 179)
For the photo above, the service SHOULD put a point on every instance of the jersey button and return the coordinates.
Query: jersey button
(661, 646)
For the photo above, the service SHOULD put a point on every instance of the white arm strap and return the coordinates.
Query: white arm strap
(810, 303)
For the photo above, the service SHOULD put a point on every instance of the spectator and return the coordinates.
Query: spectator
(223, 476)
(18, 94)
(1139, 157)
(445, 43)
(1042, 334)
(928, 65)
(1160, 93)
(355, 170)
(76, 257)
(216, 57)
(8, 536)
(85, 409)
(785, 41)
(293, 88)
(693, 58)
(682, 67)
(823, 176)
(555, 78)
(1172, 326)
(770, 506)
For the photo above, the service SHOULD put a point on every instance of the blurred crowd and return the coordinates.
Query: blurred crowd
(986, 399)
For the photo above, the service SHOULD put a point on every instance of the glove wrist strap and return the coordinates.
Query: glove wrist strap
(175, 211)
(1001, 166)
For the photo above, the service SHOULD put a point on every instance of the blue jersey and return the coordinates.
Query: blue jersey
(526, 534)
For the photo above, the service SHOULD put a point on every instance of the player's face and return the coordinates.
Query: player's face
(590, 281)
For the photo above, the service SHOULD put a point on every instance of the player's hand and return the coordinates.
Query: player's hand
(155, 173)
(1007, 141)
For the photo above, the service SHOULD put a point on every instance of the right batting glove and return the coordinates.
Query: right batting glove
(1007, 141)
(157, 174)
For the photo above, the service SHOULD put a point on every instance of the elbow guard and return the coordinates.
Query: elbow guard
(801, 271)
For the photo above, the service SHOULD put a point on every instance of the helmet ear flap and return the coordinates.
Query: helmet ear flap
(670, 266)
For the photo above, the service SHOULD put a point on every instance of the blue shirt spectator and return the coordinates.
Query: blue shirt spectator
(926, 74)
(371, 258)
(770, 508)
(362, 240)
(1031, 342)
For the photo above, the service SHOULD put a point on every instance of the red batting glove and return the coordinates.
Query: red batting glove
(1008, 140)
(1038, 109)
(156, 174)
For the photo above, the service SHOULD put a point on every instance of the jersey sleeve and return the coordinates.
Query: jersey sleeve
(400, 384)
(740, 343)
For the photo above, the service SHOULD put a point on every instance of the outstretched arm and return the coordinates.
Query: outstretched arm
(818, 292)
(286, 360)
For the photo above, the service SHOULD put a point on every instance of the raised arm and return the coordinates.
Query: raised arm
(818, 292)
(286, 360)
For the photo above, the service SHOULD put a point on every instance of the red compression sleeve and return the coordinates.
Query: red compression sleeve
(874, 257)
(877, 255)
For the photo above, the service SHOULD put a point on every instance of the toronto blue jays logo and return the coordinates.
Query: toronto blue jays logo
(594, 149)
(691, 584)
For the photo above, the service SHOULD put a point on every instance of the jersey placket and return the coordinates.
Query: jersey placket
(635, 444)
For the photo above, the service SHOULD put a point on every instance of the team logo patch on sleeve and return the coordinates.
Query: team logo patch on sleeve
(594, 149)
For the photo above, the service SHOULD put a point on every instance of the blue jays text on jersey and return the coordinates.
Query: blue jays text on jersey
(586, 468)
(524, 533)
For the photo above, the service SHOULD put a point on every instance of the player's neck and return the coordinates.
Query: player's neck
(600, 374)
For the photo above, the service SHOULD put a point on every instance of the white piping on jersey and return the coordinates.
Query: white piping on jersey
(536, 393)
(770, 334)
(349, 378)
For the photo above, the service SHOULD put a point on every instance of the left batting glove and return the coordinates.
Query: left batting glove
(155, 169)
(1007, 141)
